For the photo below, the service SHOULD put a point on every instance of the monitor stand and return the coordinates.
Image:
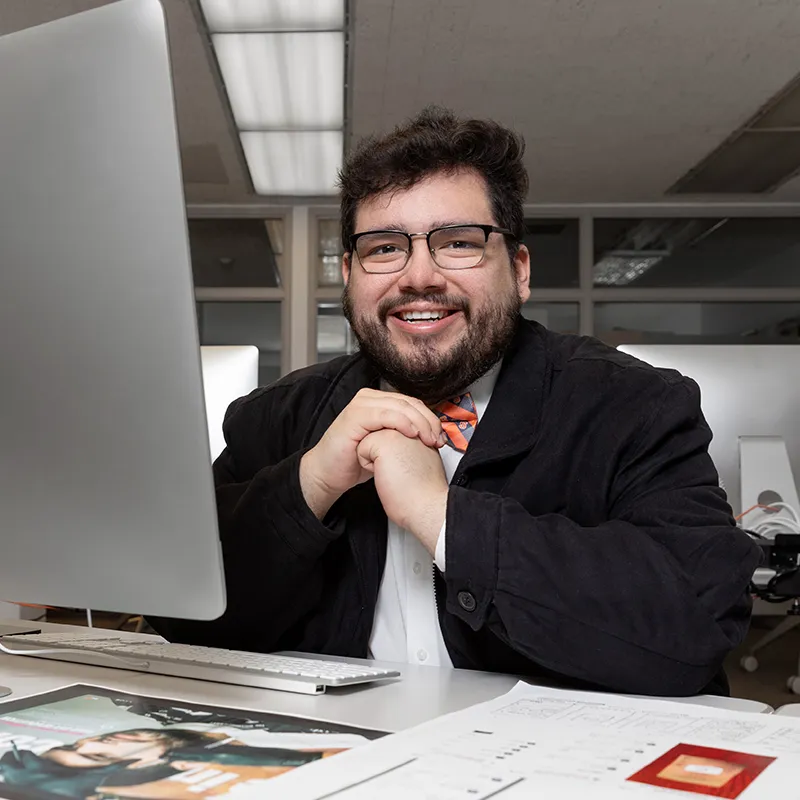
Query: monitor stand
(7, 630)
(766, 477)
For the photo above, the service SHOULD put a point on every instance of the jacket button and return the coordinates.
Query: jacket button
(467, 601)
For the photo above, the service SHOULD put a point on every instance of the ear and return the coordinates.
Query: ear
(522, 272)
(347, 261)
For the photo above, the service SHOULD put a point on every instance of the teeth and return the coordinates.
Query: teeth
(429, 315)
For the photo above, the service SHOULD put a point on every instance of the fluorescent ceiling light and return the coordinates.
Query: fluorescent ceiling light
(619, 268)
(293, 163)
(273, 15)
(283, 80)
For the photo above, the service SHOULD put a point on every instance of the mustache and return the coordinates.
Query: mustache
(389, 304)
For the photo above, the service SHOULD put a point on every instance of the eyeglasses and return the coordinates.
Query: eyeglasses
(452, 247)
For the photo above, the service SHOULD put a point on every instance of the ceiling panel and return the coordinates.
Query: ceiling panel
(617, 98)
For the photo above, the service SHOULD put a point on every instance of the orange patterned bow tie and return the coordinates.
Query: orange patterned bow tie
(459, 417)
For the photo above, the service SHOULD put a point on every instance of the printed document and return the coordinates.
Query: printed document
(567, 744)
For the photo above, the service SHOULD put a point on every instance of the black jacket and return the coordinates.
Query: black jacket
(587, 538)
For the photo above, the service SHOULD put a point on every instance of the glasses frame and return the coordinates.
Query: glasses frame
(487, 231)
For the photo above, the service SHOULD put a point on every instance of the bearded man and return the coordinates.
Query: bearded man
(470, 489)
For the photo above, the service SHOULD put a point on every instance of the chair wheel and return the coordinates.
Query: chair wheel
(793, 684)
(749, 663)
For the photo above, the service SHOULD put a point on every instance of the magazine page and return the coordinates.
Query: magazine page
(537, 741)
(93, 742)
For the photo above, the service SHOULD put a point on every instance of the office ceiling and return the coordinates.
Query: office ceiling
(618, 99)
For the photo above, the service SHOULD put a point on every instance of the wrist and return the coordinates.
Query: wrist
(429, 519)
(318, 496)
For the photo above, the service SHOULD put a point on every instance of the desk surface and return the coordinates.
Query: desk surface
(422, 694)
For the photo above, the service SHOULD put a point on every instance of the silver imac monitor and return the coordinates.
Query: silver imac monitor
(106, 493)
(746, 390)
(229, 372)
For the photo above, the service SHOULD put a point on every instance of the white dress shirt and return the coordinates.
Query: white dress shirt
(406, 626)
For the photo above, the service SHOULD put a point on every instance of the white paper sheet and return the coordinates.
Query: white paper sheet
(579, 744)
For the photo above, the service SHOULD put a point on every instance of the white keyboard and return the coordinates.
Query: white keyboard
(288, 673)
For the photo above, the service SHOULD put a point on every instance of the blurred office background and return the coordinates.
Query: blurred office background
(663, 143)
(663, 149)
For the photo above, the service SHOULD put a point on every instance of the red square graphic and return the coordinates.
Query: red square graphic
(703, 770)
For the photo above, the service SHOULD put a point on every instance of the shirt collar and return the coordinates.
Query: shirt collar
(481, 390)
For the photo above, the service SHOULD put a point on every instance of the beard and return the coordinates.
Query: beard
(426, 372)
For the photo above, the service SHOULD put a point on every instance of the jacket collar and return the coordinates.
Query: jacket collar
(510, 425)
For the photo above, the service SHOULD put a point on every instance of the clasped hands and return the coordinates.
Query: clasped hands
(395, 440)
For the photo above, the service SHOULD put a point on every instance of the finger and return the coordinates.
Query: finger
(361, 421)
(414, 401)
(430, 417)
(365, 453)
(428, 431)
(426, 422)
(403, 420)
(370, 417)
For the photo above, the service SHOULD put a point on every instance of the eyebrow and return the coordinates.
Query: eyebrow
(396, 226)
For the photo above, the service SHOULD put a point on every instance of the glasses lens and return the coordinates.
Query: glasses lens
(382, 252)
(458, 248)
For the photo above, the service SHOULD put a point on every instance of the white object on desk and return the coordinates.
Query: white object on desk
(789, 710)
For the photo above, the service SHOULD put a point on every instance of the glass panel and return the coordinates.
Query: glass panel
(697, 252)
(721, 323)
(559, 317)
(554, 252)
(334, 337)
(329, 253)
(236, 252)
(245, 323)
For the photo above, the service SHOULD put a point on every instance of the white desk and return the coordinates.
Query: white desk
(422, 694)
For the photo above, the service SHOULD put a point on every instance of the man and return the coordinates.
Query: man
(567, 499)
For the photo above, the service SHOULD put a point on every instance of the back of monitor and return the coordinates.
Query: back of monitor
(106, 494)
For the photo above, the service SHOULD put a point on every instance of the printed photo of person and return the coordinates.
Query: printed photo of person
(137, 762)
(93, 743)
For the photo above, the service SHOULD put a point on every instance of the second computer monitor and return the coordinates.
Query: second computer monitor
(228, 373)
(747, 390)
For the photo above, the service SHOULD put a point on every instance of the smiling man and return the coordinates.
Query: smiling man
(471, 489)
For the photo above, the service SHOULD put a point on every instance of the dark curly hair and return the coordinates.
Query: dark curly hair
(436, 140)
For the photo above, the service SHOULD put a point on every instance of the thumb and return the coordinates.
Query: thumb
(367, 452)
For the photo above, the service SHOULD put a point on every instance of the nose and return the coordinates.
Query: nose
(421, 274)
